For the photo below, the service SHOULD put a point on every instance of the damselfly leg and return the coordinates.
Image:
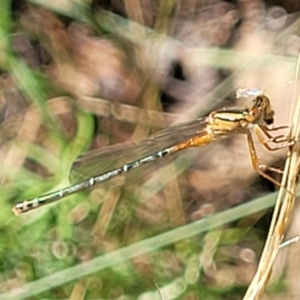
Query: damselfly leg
(261, 168)
(278, 139)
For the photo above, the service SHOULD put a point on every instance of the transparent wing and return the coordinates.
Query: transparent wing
(99, 161)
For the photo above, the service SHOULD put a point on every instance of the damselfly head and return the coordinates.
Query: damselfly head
(263, 105)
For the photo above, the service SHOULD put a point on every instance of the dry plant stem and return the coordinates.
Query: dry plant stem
(283, 208)
(281, 217)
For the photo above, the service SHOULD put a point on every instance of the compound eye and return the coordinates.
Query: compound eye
(260, 102)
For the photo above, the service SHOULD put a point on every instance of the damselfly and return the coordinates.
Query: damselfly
(257, 118)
